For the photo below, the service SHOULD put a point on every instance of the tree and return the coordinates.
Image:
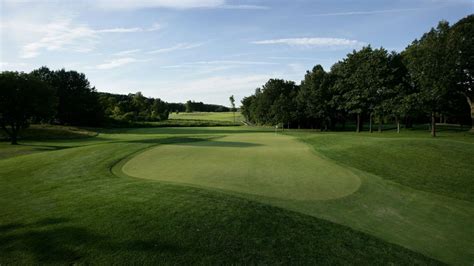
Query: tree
(362, 78)
(23, 97)
(461, 43)
(431, 69)
(314, 98)
(78, 102)
(246, 108)
(189, 107)
(232, 104)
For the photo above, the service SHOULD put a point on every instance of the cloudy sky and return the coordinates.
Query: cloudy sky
(205, 50)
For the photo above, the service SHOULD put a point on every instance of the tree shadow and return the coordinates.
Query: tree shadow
(221, 144)
(172, 140)
(197, 142)
(56, 241)
(190, 130)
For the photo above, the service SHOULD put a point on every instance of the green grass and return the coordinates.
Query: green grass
(443, 166)
(233, 195)
(264, 164)
(213, 116)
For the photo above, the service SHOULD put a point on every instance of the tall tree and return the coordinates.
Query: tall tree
(431, 69)
(314, 97)
(189, 106)
(362, 77)
(461, 45)
(232, 104)
(23, 98)
(78, 102)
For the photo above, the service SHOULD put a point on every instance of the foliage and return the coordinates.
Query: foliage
(192, 106)
(273, 104)
(23, 99)
(78, 102)
(133, 107)
(432, 77)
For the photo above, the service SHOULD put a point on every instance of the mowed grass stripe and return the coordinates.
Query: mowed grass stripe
(275, 166)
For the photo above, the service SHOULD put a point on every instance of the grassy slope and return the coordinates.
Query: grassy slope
(43, 132)
(443, 165)
(74, 210)
(441, 227)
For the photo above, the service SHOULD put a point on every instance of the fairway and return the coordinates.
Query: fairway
(276, 166)
(212, 116)
(216, 195)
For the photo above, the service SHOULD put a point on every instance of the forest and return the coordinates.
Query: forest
(430, 81)
(67, 98)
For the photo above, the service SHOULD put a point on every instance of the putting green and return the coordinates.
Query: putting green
(263, 164)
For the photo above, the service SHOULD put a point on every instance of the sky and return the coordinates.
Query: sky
(205, 50)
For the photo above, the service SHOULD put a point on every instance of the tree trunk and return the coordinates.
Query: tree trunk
(398, 124)
(380, 124)
(433, 124)
(472, 118)
(358, 124)
(370, 123)
(471, 104)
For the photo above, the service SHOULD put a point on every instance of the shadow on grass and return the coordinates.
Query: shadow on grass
(56, 241)
(187, 130)
(197, 142)
(223, 144)
(173, 140)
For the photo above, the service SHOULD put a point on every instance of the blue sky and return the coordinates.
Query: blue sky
(205, 50)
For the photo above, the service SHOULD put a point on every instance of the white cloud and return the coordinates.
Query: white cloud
(138, 4)
(367, 12)
(179, 46)
(141, 4)
(63, 34)
(120, 30)
(127, 52)
(154, 27)
(250, 7)
(60, 35)
(314, 42)
(114, 63)
(214, 89)
(223, 63)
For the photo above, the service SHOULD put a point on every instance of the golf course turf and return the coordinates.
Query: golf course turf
(237, 195)
(276, 166)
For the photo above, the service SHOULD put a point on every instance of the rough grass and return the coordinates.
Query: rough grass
(443, 165)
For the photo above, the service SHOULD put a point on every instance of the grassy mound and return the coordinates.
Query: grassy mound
(443, 166)
(275, 166)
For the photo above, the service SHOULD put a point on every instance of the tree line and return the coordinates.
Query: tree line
(67, 98)
(432, 78)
